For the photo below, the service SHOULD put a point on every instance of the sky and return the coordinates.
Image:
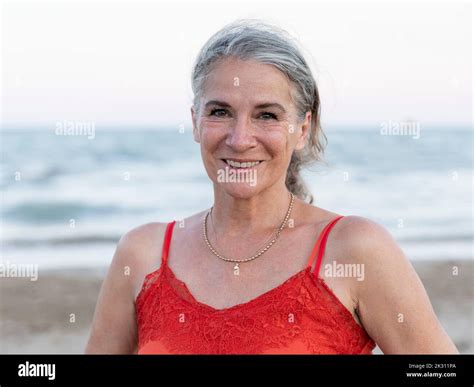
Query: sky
(128, 64)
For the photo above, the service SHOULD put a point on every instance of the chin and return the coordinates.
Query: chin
(240, 190)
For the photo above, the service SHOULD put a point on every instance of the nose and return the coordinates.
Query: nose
(241, 135)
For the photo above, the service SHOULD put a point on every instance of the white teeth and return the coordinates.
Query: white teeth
(236, 164)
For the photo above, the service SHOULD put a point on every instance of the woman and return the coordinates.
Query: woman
(254, 274)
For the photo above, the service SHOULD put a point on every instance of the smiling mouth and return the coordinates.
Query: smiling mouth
(241, 164)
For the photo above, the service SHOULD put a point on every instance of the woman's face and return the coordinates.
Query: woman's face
(247, 126)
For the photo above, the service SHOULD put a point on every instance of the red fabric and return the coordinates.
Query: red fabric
(300, 316)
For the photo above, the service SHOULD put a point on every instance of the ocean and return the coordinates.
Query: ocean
(67, 199)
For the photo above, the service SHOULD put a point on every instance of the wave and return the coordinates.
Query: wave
(47, 212)
(86, 239)
(436, 238)
(62, 241)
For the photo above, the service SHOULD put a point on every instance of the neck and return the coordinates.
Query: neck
(255, 215)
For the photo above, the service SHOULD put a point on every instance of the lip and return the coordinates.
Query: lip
(241, 161)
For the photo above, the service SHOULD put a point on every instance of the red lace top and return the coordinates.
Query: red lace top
(300, 316)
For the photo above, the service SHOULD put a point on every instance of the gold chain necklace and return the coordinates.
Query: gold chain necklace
(255, 256)
(216, 247)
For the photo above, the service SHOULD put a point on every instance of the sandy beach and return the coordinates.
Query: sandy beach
(54, 313)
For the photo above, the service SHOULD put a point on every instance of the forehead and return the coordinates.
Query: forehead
(238, 81)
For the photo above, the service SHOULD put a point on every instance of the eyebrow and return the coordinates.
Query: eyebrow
(265, 105)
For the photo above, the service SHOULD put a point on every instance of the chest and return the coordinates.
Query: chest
(222, 284)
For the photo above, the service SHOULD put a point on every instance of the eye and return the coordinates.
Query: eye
(218, 112)
(268, 116)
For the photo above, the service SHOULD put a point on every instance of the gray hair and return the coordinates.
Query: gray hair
(251, 39)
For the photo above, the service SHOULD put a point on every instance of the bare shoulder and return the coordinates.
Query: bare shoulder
(140, 249)
(370, 246)
(138, 253)
(138, 240)
(391, 301)
(366, 241)
(353, 238)
(114, 328)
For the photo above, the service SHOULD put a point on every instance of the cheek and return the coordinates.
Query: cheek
(211, 137)
(278, 144)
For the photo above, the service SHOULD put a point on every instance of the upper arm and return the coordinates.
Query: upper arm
(114, 328)
(392, 303)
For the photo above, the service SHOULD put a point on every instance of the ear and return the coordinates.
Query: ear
(196, 134)
(305, 130)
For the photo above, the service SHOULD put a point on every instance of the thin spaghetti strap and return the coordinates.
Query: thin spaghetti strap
(322, 248)
(167, 241)
(317, 249)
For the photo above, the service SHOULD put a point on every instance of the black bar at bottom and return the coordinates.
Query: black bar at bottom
(383, 370)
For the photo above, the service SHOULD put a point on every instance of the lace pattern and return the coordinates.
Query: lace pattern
(301, 313)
